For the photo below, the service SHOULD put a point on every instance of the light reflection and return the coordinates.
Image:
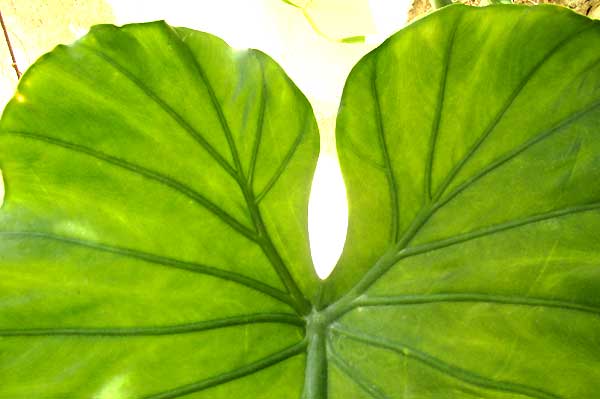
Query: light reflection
(74, 229)
(1, 189)
(114, 389)
(389, 16)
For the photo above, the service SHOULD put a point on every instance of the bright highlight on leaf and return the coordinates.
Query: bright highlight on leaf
(327, 215)
(1, 189)
(154, 239)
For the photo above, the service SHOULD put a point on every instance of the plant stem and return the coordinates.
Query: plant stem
(10, 49)
(315, 383)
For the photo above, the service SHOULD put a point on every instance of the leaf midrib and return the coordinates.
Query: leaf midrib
(300, 303)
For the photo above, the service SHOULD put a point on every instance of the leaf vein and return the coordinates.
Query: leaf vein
(435, 127)
(443, 367)
(167, 108)
(516, 152)
(376, 301)
(286, 160)
(259, 126)
(160, 260)
(373, 391)
(507, 105)
(148, 174)
(389, 172)
(121, 332)
(229, 376)
(486, 231)
(215, 102)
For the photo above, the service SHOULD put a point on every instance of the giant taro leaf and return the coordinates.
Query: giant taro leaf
(153, 238)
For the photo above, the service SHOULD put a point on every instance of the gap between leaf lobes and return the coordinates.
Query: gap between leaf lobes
(2, 189)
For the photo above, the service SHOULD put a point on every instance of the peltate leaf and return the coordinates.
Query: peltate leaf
(153, 240)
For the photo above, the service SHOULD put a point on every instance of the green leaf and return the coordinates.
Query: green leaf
(353, 39)
(153, 238)
(471, 152)
(152, 234)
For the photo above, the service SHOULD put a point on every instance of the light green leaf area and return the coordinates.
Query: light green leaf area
(153, 239)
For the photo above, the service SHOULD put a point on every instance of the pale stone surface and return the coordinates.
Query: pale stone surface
(36, 26)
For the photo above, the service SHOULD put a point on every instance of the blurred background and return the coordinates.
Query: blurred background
(316, 41)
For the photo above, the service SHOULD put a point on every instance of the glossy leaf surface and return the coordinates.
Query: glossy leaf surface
(152, 202)
(153, 241)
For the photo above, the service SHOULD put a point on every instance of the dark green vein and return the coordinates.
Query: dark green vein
(389, 172)
(355, 376)
(367, 300)
(389, 259)
(516, 152)
(507, 105)
(259, 124)
(286, 160)
(300, 303)
(148, 174)
(435, 127)
(164, 106)
(215, 102)
(443, 367)
(427, 211)
(498, 228)
(353, 149)
(160, 260)
(238, 373)
(120, 332)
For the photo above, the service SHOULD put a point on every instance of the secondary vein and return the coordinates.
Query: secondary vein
(389, 172)
(443, 367)
(164, 106)
(516, 152)
(148, 174)
(394, 300)
(259, 124)
(300, 302)
(402, 250)
(284, 163)
(238, 373)
(160, 260)
(435, 127)
(504, 109)
(356, 377)
(120, 332)
(494, 229)
(215, 103)
(386, 262)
